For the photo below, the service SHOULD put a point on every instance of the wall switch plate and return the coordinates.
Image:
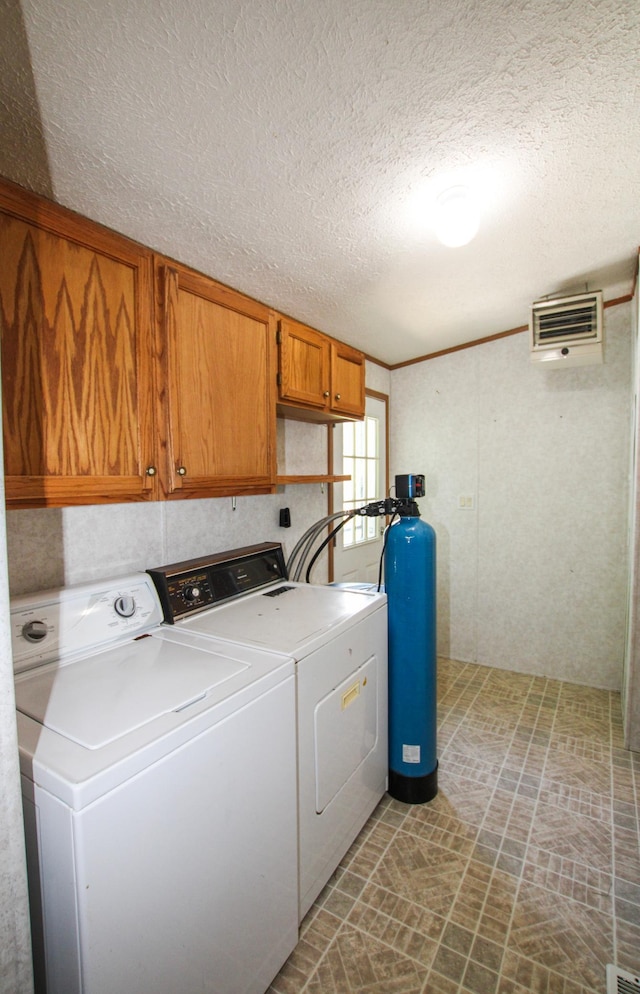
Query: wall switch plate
(466, 502)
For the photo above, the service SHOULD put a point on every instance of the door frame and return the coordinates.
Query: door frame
(384, 398)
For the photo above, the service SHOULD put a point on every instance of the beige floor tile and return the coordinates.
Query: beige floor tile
(520, 975)
(572, 836)
(522, 876)
(423, 872)
(561, 935)
(359, 964)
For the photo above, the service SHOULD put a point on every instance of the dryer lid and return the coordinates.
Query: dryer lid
(97, 700)
(290, 617)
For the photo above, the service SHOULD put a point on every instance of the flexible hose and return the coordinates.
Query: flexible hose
(300, 543)
(332, 534)
(302, 548)
(317, 532)
(384, 546)
(305, 543)
(307, 539)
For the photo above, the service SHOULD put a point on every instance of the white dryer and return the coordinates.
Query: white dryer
(159, 790)
(338, 639)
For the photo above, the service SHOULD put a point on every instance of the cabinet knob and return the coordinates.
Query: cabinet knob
(181, 471)
(326, 393)
(337, 396)
(151, 471)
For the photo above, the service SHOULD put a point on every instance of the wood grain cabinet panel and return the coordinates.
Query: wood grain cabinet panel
(319, 378)
(304, 368)
(347, 380)
(76, 327)
(220, 369)
(127, 376)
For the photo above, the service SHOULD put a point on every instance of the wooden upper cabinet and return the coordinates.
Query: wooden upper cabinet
(304, 367)
(129, 377)
(76, 326)
(219, 363)
(347, 380)
(319, 379)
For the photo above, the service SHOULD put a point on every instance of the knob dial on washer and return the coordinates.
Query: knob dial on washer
(34, 631)
(191, 592)
(125, 606)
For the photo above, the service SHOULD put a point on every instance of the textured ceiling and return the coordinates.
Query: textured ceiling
(290, 148)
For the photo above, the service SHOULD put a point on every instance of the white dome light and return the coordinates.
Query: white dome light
(456, 216)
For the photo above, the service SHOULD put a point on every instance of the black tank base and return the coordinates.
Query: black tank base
(413, 790)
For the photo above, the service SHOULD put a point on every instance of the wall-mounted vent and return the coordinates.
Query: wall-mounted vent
(567, 331)
(621, 982)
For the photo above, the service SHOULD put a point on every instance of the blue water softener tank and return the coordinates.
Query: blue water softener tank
(410, 583)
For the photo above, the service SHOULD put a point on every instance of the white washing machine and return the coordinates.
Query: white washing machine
(338, 639)
(159, 790)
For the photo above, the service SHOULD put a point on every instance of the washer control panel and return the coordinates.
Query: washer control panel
(59, 624)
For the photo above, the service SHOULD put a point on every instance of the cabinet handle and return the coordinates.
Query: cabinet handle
(326, 393)
(151, 471)
(337, 396)
(181, 471)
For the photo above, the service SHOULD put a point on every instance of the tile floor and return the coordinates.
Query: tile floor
(522, 875)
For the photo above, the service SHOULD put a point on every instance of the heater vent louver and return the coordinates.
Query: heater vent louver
(567, 330)
(621, 982)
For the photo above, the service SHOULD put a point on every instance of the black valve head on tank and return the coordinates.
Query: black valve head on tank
(408, 487)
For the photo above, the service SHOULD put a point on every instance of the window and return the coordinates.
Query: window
(360, 461)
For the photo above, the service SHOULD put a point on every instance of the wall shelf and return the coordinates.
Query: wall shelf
(283, 481)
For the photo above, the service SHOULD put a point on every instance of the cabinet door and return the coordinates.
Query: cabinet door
(220, 370)
(303, 365)
(76, 325)
(347, 380)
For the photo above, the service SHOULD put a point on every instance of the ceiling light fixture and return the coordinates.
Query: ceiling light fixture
(456, 216)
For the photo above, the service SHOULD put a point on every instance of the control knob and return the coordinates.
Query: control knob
(125, 606)
(34, 631)
(191, 592)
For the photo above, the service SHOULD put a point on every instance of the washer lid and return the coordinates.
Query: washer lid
(97, 700)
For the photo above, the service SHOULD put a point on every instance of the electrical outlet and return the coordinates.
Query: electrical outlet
(466, 502)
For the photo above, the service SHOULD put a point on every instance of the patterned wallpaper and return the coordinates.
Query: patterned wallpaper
(533, 575)
(58, 547)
